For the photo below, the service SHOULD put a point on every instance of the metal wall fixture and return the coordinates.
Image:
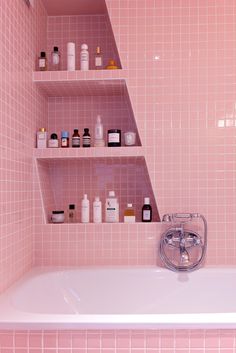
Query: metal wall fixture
(180, 248)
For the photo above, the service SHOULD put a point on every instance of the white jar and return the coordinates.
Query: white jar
(58, 217)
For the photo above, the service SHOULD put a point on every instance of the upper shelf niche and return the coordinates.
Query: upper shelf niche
(80, 21)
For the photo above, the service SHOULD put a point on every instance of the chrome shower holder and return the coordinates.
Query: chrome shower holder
(180, 248)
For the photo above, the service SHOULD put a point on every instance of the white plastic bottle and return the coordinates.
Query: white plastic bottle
(98, 129)
(70, 56)
(85, 209)
(112, 208)
(84, 58)
(97, 210)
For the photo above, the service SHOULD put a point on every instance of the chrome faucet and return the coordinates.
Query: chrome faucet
(190, 246)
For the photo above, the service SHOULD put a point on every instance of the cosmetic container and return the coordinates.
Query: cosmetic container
(58, 217)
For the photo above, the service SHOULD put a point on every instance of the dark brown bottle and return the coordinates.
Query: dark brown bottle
(147, 210)
(76, 138)
(86, 138)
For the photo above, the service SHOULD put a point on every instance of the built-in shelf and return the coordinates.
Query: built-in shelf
(81, 83)
(96, 152)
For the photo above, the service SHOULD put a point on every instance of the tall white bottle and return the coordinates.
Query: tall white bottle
(71, 56)
(112, 208)
(84, 58)
(97, 210)
(85, 209)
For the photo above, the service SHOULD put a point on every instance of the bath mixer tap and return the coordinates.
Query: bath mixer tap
(181, 249)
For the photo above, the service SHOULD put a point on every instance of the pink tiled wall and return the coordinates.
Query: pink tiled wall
(119, 341)
(21, 107)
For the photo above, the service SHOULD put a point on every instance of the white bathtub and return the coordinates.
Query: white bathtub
(101, 298)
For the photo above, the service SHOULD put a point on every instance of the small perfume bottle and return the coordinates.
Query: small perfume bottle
(98, 59)
(42, 61)
(71, 214)
(55, 59)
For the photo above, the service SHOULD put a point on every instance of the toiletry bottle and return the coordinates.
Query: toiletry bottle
(55, 59)
(71, 214)
(129, 214)
(84, 58)
(76, 138)
(112, 208)
(97, 211)
(85, 209)
(64, 139)
(98, 59)
(86, 138)
(53, 141)
(70, 56)
(42, 138)
(42, 61)
(147, 210)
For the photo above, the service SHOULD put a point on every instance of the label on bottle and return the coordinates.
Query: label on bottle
(114, 137)
(98, 61)
(55, 58)
(86, 141)
(42, 63)
(129, 219)
(75, 141)
(64, 142)
(146, 215)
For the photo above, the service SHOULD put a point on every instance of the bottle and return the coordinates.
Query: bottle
(42, 61)
(71, 214)
(42, 138)
(85, 209)
(111, 65)
(76, 138)
(97, 210)
(53, 141)
(84, 58)
(98, 133)
(129, 215)
(70, 56)
(146, 210)
(55, 59)
(98, 59)
(86, 138)
(112, 208)
(64, 139)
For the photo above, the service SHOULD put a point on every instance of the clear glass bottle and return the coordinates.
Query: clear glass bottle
(129, 214)
(42, 61)
(71, 214)
(98, 59)
(55, 59)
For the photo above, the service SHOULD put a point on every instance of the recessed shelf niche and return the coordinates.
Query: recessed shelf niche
(64, 181)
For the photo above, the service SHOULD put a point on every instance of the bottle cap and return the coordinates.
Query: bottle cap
(55, 48)
(53, 136)
(86, 129)
(64, 134)
(42, 129)
(146, 200)
(43, 54)
(71, 207)
(98, 50)
(85, 196)
(84, 46)
(129, 205)
(76, 131)
(111, 193)
(98, 118)
(97, 198)
(57, 212)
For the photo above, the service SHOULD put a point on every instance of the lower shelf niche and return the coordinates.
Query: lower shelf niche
(65, 181)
